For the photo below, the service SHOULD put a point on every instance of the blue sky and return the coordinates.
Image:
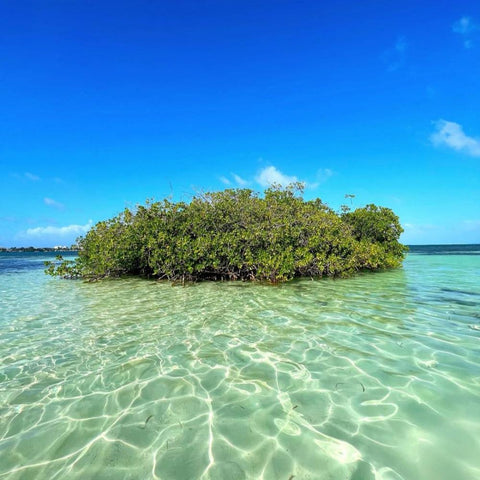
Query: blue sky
(105, 104)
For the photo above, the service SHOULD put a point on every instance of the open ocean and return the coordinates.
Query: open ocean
(372, 377)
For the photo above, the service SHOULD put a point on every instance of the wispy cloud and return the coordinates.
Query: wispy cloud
(464, 231)
(270, 175)
(395, 56)
(26, 176)
(236, 179)
(59, 231)
(323, 174)
(472, 225)
(53, 203)
(239, 180)
(466, 27)
(419, 227)
(225, 180)
(8, 218)
(32, 177)
(416, 233)
(451, 134)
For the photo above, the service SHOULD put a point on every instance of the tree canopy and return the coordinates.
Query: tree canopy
(237, 234)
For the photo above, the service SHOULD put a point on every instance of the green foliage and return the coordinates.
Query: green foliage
(63, 268)
(379, 227)
(236, 234)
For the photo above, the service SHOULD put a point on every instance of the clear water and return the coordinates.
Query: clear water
(374, 377)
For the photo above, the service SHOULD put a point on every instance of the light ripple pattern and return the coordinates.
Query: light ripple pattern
(373, 377)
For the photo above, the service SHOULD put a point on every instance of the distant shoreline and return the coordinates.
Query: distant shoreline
(38, 249)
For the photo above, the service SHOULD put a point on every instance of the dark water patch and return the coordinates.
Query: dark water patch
(467, 249)
(458, 301)
(19, 266)
(463, 292)
(20, 262)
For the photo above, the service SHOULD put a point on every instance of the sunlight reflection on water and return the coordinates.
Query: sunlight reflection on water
(374, 377)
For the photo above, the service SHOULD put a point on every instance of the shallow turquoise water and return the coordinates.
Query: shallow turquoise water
(374, 377)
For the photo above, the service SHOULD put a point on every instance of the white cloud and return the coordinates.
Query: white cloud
(466, 27)
(323, 174)
(53, 203)
(239, 180)
(270, 175)
(32, 177)
(225, 180)
(451, 134)
(236, 179)
(62, 232)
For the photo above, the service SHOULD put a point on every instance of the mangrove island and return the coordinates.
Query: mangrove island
(238, 234)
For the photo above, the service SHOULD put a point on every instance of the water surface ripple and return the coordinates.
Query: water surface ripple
(374, 377)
